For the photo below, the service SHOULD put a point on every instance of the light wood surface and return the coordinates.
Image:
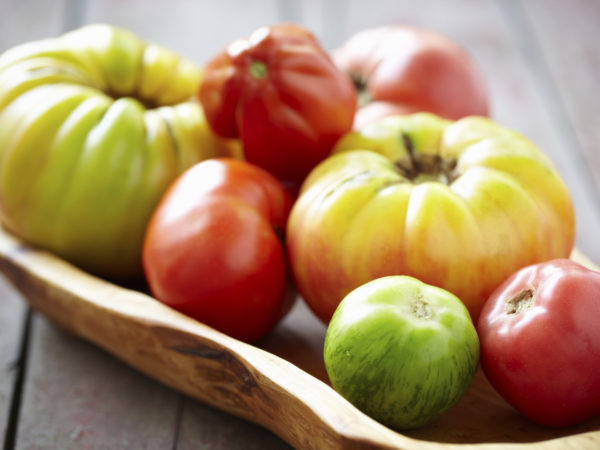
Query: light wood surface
(542, 63)
(280, 386)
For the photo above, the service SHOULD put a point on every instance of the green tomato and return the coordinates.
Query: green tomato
(401, 351)
(94, 125)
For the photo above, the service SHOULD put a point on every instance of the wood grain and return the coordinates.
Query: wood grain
(25, 23)
(573, 63)
(550, 97)
(12, 320)
(248, 381)
(202, 427)
(74, 391)
(195, 29)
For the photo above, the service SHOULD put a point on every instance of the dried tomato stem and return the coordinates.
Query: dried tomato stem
(520, 302)
(421, 309)
(258, 69)
(360, 84)
(420, 167)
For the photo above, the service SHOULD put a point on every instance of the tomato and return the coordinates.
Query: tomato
(401, 351)
(459, 205)
(212, 247)
(94, 125)
(282, 95)
(540, 342)
(400, 69)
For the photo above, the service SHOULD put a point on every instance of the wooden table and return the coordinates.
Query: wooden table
(542, 63)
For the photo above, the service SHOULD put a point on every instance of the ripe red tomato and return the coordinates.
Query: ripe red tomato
(540, 342)
(400, 69)
(282, 95)
(212, 249)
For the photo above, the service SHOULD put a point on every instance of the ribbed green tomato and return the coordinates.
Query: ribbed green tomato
(94, 125)
(459, 205)
(401, 351)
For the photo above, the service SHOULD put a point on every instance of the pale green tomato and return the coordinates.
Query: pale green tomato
(401, 351)
(94, 125)
(459, 205)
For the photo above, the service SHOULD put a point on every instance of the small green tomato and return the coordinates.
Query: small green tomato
(401, 351)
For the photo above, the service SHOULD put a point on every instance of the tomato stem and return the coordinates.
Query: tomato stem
(421, 167)
(258, 69)
(360, 84)
(414, 164)
(520, 302)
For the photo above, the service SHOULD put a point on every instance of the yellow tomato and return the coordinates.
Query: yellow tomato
(460, 205)
(94, 125)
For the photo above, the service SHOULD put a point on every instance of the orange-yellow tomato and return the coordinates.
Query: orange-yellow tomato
(460, 205)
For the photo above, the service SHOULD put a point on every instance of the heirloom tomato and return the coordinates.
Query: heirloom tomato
(282, 95)
(540, 342)
(94, 125)
(399, 69)
(459, 205)
(212, 248)
(401, 351)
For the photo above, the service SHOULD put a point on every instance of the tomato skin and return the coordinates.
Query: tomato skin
(84, 157)
(403, 70)
(212, 252)
(401, 351)
(545, 359)
(358, 217)
(282, 95)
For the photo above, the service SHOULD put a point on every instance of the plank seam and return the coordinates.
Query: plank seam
(74, 12)
(178, 422)
(20, 368)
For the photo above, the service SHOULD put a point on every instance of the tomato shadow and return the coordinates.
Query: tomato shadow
(483, 416)
(299, 339)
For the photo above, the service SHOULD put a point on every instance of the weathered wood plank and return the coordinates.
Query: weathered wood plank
(77, 396)
(12, 316)
(542, 110)
(20, 22)
(205, 427)
(567, 34)
(195, 29)
(25, 21)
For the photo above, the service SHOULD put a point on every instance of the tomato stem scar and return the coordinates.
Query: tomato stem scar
(258, 69)
(360, 84)
(420, 167)
(520, 302)
(421, 309)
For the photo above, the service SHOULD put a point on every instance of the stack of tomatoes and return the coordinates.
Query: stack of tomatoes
(394, 182)
(370, 180)
(289, 103)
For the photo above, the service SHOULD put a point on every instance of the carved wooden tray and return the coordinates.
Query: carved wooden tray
(280, 383)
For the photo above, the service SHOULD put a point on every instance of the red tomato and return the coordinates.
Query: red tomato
(212, 249)
(400, 69)
(282, 95)
(540, 342)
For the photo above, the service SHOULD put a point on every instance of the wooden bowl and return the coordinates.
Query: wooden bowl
(279, 383)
